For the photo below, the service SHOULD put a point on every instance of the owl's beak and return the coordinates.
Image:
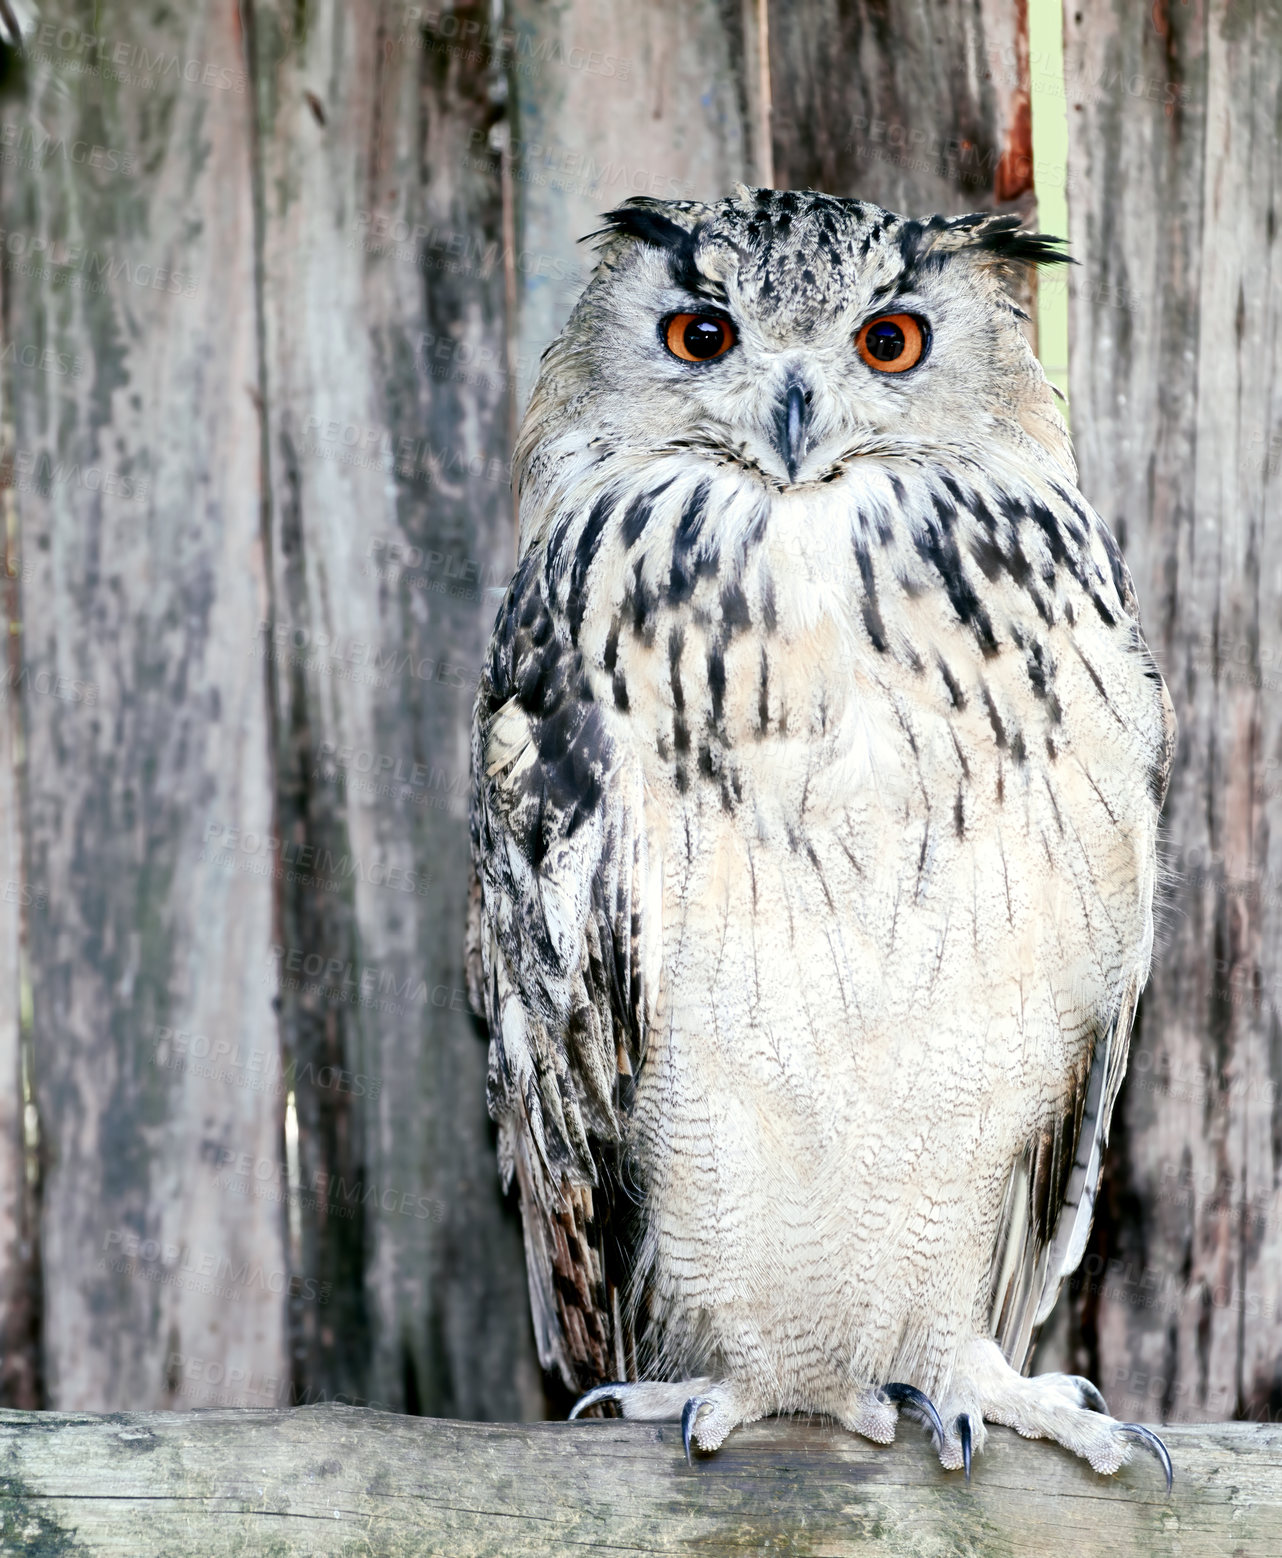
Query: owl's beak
(792, 419)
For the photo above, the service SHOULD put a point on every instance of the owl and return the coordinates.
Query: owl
(817, 761)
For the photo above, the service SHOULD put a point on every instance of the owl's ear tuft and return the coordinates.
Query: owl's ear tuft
(1005, 239)
(643, 220)
(982, 235)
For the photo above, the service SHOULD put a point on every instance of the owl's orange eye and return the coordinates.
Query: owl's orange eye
(698, 337)
(892, 343)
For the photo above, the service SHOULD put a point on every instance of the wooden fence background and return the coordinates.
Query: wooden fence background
(275, 279)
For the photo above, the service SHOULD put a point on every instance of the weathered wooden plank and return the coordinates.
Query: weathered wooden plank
(920, 108)
(1175, 162)
(390, 385)
(129, 258)
(338, 1480)
(18, 1356)
(386, 396)
(609, 101)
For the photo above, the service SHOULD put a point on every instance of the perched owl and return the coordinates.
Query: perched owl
(817, 763)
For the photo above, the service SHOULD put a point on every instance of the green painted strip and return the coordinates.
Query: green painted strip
(1050, 175)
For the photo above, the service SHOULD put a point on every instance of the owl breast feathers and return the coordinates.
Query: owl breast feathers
(817, 764)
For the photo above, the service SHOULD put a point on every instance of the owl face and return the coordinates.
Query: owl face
(793, 332)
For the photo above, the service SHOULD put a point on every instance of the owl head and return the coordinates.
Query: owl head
(792, 332)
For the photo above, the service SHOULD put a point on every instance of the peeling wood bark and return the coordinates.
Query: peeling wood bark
(386, 402)
(337, 1480)
(143, 709)
(1176, 331)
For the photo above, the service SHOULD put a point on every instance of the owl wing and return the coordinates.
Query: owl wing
(1050, 1197)
(564, 908)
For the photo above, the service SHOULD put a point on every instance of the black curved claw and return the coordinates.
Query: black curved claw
(689, 1415)
(1146, 1436)
(909, 1395)
(605, 1392)
(1092, 1400)
(962, 1425)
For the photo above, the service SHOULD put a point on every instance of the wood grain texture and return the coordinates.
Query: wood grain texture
(1176, 332)
(320, 435)
(19, 1357)
(609, 101)
(386, 397)
(920, 108)
(338, 1480)
(135, 467)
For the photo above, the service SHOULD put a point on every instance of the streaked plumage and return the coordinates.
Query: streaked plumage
(814, 818)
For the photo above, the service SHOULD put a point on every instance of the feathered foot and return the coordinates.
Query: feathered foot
(706, 1409)
(873, 1412)
(1063, 1407)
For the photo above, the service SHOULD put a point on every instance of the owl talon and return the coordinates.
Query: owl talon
(689, 1417)
(712, 1408)
(910, 1396)
(962, 1425)
(1150, 1440)
(1092, 1399)
(609, 1392)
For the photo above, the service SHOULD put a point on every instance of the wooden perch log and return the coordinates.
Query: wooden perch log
(341, 1480)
